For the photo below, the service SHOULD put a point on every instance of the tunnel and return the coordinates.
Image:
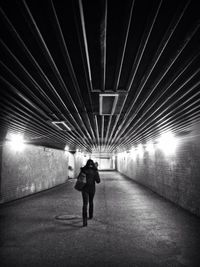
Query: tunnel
(117, 82)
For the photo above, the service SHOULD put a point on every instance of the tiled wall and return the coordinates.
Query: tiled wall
(175, 177)
(32, 170)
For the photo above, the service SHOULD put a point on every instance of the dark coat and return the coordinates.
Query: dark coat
(92, 177)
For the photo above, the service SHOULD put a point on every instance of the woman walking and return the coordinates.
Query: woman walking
(88, 191)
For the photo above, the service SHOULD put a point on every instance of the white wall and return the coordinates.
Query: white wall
(32, 170)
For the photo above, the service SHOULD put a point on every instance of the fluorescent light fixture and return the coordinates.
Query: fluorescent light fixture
(16, 142)
(61, 125)
(107, 103)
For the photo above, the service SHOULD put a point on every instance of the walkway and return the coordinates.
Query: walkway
(132, 227)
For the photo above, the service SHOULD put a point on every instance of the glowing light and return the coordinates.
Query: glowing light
(17, 142)
(168, 143)
(150, 147)
(122, 155)
(78, 151)
(66, 148)
(133, 152)
(140, 150)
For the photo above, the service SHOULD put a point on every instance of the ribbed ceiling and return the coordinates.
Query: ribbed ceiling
(59, 57)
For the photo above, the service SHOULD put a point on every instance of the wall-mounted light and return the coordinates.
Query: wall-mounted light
(79, 151)
(150, 147)
(133, 152)
(66, 149)
(16, 142)
(140, 150)
(168, 143)
(122, 155)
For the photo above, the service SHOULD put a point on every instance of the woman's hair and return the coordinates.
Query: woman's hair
(89, 163)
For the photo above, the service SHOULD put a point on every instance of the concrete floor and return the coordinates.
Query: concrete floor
(132, 227)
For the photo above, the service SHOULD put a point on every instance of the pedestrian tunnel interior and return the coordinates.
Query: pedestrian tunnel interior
(114, 81)
(169, 166)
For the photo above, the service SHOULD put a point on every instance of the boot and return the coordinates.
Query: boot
(91, 211)
(85, 221)
(84, 215)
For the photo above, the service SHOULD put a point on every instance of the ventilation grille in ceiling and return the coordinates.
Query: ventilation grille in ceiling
(61, 125)
(107, 104)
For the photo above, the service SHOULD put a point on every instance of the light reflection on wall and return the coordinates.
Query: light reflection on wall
(16, 142)
(133, 153)
(150, 147)
(167, 143)
(66, 150)
(140, 151)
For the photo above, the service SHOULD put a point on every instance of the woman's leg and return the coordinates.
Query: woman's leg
(85, 204)
(91, 205)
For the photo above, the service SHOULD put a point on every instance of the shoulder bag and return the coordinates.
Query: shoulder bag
(81, 181)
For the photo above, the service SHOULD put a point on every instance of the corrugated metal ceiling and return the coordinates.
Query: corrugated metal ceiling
(58, 57)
